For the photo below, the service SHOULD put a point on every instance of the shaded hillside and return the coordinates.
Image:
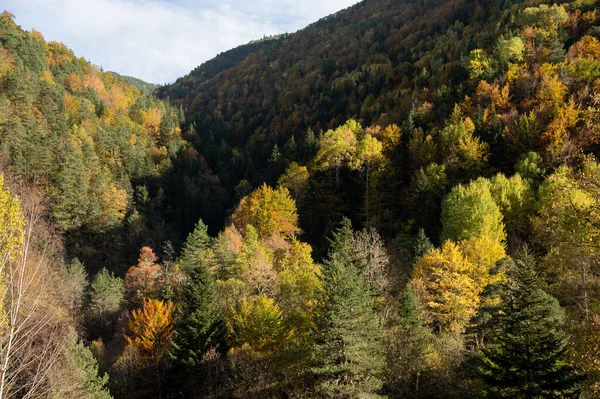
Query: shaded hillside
(371, 62)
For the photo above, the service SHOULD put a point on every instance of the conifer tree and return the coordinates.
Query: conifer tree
(196, 249)
(524, 352)
(199, 326)
(350, 356)
(422, 244)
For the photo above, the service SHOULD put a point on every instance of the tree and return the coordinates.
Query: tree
(337, 147)
(369, 153)
(408, 349)
(349, 352)
(524, 351)
(144, 280)
(451, 279)
(270, 212)
(32, 333)
(295, 179)
(199, 324)
(106, 298)
(422, 245)
(77, 375)
(470, 211)
(197, 251)
(150, 328)
(259, 323)
(515, 198)
(70, 193)
(461, 148)
(75, 280)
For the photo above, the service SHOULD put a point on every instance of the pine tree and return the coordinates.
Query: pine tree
(199, 326)
(422, 245)
(197, 248)
(349, 353)
(525, 348)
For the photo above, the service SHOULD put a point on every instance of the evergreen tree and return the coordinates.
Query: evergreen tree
(199, 326)
(410, 311)
(422, 245)
(350, 357)
(197, 248)
(525, 348)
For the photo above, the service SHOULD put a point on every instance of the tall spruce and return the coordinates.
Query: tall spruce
(349, 353)
(200, 326)
(197, 248)
(523, 355)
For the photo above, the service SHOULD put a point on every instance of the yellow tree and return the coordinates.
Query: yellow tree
(337, 147)
(258, 322)
(270, 212)
(151, 328)
(451, 278)
(449, 291)
(369, 154)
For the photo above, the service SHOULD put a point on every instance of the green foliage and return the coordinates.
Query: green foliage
(197, 251)
(422, 244)
(80, 377)
(470, 211)
(524, 352)
(349, 352)
(105, 300)
(199, 324)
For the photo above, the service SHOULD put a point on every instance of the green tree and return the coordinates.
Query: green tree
(349, 351)
(197, 251)
(422, 245)
(524, 352)
(105, 301)
(470, 211)
(79, 376)
(199, 325)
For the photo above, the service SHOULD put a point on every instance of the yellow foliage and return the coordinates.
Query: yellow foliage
(451, 294)
(151, 120)
(114, 205)
(72, 105)
(46, 76)
(483, 252)
(151, 328)
(268, 211)
(12, 225)
(6, 62)
(452, 278)
(258, 322)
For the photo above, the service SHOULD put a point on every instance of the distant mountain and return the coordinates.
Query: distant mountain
(143, 86)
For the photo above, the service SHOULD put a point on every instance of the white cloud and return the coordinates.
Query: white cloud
(161, 40)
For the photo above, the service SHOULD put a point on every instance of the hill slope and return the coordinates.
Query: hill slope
(370, 62)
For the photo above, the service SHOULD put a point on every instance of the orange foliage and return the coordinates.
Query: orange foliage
(144, 280)
(73, 82)
(151, 328)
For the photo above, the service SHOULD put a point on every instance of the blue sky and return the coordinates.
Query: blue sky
(161, 40)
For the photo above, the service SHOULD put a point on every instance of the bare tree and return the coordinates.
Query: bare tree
(31, 329)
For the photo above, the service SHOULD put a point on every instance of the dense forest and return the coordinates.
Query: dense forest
(401, 200)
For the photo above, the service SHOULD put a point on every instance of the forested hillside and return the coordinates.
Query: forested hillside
(400, 200)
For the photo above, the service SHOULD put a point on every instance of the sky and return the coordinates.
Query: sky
(161, 40)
